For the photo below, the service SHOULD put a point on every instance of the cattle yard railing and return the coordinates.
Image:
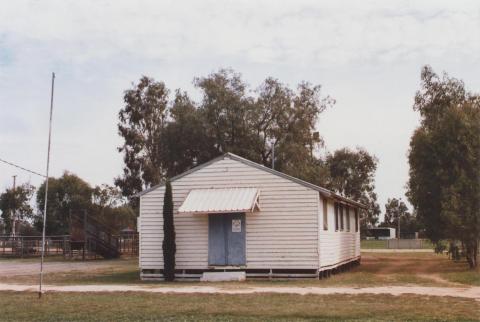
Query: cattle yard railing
(128, 244)
(61, 245)
(30, 246)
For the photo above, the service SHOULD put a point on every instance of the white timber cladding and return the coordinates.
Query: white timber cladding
(287, 233)
(337, 246)
(284, 234)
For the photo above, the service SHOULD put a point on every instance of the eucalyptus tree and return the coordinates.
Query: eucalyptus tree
(15, 205)
(164, 137)
(141, 124)
(352, 174)
(396, 211)
(66, 194)
(444, 162)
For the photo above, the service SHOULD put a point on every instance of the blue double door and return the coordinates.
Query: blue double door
(226, 239)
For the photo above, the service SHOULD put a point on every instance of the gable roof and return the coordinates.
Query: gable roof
(323, 191)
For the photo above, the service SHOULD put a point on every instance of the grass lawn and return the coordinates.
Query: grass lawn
(377, 269)
(382, 244)
(219, 307)
(373, 244)
(462, 277)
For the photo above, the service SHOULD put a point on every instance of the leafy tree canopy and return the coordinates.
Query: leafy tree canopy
(16, 203)
(163, 138)
(444, 162)
(352, 174)
(69, 194)
(111, 208)
(65, 194)
(395, 210)
(141, 124)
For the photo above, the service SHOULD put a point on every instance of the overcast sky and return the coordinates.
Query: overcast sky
(366, 54)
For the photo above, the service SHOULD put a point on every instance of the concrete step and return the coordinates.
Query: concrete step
(223, 276)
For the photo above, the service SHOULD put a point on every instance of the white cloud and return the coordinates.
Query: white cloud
(80, 31)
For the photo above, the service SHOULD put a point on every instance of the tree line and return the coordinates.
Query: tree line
(166, 137)
(167, 132)
(67, 195)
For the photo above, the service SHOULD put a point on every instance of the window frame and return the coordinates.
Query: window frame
(347, 214)
(356, 220)
(342, 223)
(336, 216)
(325, 213)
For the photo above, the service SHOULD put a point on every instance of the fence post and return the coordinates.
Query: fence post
(84, 233)
(21, 246)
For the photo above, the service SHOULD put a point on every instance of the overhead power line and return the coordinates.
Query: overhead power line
(22, 168)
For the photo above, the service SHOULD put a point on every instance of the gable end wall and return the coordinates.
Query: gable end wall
(283, 235)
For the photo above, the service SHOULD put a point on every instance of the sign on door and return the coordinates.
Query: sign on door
(236, 225)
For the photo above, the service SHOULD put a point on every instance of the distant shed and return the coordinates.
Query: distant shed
(380, 233)
(234, 214)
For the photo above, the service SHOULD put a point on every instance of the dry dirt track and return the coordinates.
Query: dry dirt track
(17, 267)
(467, 292)
(380, 265)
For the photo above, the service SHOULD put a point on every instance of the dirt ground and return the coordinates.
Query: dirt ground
(11, 268)
(372, 262)
(430, 266)
(465, 292)
(374, 266)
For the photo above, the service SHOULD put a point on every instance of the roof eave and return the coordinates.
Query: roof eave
(323, 191)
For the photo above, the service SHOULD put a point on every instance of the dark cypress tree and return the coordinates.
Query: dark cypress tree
(169, 246)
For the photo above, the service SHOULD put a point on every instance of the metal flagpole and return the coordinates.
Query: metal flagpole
(46, 189)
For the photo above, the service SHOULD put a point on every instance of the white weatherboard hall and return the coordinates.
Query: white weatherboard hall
(232, 214)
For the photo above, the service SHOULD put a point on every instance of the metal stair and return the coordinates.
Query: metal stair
(91, 236)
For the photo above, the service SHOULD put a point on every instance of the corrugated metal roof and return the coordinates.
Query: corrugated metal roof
(226, 200)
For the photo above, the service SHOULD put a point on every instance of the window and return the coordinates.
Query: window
(336, 216)
(325, 214)
(356, 219)
(341, 217)
(347, 213)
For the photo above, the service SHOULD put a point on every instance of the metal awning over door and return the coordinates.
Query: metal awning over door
(221, 200)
